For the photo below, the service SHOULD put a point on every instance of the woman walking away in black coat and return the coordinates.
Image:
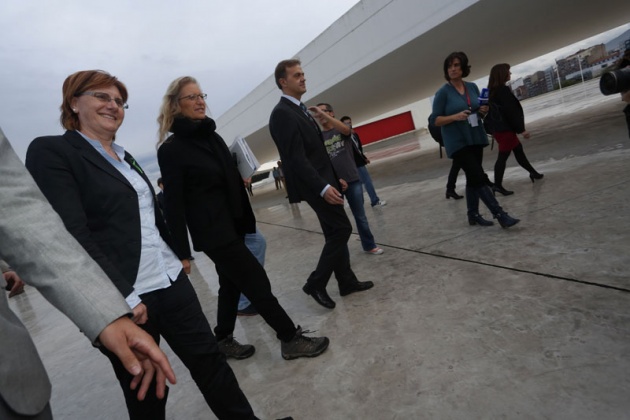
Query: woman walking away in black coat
(507, 120)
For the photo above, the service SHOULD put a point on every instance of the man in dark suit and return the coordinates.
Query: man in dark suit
(311, 178)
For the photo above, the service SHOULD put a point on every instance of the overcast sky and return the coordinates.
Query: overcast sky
(547, 60)
(230, 46)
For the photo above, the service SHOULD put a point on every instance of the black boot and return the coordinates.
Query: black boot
(504, 219)
(487, 180)
(472, 201)
(453, 194)
(497, 188)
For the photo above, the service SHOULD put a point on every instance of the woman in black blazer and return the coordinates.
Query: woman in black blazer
(507, 120)
(204, 193)
(107, 203)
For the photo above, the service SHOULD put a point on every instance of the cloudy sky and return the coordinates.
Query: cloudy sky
(230, 46)
(547, 60)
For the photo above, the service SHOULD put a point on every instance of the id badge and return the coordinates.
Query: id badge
(473, 120)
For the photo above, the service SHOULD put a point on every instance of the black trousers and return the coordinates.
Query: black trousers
(452, 176)
(470, 159)
(239, 271)
(175, 314)
(335, 257)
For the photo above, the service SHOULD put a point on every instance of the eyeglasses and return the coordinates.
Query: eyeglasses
(105, 98)
(327, 110)
(193, 98)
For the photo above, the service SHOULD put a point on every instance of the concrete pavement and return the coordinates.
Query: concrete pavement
(464, 322)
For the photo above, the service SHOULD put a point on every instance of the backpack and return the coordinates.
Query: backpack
(436, 133)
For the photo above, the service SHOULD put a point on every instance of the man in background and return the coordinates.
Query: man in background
(341, 150)
(361, 161)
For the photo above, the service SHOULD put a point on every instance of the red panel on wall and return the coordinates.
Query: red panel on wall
(385, 128)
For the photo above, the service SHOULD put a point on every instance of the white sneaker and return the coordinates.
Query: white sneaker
(380, 203)
(375, 251)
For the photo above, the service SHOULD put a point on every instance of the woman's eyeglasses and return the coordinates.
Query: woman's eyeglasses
(105, 98)
(193, 98)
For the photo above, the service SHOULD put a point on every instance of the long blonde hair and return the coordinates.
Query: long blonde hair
(170, 106)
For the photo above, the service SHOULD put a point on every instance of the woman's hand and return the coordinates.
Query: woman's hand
(447, 119)
(461, 116)
(484, 109)
(140, 315)
(186, 266)
(525, 134)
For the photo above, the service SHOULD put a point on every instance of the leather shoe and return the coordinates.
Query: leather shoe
(358, 286)
(320, 296)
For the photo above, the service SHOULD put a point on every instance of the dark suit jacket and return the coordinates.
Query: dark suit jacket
(203, 190)
(305, 160)
(95, 201)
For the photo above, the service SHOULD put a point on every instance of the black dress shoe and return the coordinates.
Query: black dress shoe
(320, 296)
(359, 286)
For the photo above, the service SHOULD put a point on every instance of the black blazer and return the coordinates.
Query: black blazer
(305, 161)
(203, 190)
(510, 115)
(95, 201)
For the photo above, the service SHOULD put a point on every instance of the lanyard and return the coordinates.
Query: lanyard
(467, 96)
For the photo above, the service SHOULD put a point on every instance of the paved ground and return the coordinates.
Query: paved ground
(463, 323)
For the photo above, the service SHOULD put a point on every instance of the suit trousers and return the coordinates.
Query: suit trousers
(175, 313)
(335, 257)
(240, 272)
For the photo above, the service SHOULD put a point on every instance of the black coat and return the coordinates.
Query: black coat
(203, 190)
(305, 161)
(506, 111)
(97, 204)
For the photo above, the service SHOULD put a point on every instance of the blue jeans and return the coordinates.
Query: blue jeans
(364, 176)
(354, 195)
(257, 245)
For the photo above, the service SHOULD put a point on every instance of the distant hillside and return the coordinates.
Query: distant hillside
(616, 43)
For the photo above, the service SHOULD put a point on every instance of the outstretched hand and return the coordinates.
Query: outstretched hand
(140, 355)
